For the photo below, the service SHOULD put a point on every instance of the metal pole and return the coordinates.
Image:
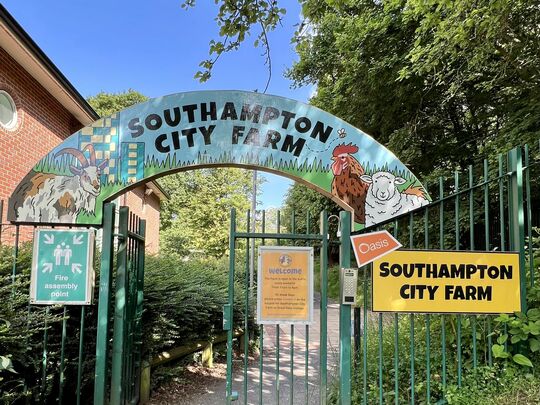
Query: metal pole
(229, 313)
(323, 338)
(517, 218)
(105, 283)
(345, 315)
(119, 333)
(253, 229)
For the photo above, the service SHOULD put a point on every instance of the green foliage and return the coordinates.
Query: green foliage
(304, 201)
(333, 280)
(22, 329)
(236, 20)
(184, 300)
(196, 218)
(496, 385)
(518, 335)
(108, 103)
(448, 80)
(518, 332)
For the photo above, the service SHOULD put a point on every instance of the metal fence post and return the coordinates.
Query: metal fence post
(516, 218)
(139, 310)
(345, 315)
(323, 338)
(229, 312)
(105, 277)
(118, 357)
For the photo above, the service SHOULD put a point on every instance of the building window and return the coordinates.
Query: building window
(8, 111)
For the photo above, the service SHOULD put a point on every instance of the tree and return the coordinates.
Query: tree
(107, 103)
(196, 218)
(452, 81)
(305, 202)
(448, 80)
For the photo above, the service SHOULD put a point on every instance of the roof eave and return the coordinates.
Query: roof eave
(21, 47)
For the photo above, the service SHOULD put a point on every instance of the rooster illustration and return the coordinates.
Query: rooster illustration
(347, 185)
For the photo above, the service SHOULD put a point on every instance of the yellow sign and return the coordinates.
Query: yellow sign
(446, 282)
(285, 285)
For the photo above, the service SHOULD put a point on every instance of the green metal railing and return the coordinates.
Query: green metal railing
(127, 334)
(490, 206)
(59, 341)
(486, 208)
(54, 338)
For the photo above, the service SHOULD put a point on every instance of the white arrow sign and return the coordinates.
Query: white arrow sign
(49, 239)
(78, 240)
(47, 267)
(76, 267)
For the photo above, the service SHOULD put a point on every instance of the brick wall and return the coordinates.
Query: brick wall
(146, 207)
(43, 123)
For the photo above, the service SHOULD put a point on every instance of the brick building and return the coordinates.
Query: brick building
(39, 108)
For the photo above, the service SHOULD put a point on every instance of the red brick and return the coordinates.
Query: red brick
(43, 123)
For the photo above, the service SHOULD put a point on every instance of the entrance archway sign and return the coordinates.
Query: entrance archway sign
(215, 128)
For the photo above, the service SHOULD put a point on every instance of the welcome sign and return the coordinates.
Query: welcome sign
(285, 285)
(215, 128)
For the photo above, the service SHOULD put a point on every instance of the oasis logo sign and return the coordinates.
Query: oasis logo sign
(371, 246)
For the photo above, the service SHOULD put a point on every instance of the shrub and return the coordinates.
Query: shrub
(184, 301)
(496, 385)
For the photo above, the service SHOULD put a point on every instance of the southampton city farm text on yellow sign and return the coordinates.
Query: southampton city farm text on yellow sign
(446, 282)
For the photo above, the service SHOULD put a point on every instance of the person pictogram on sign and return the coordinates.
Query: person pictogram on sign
(58, 253)
(67, 253)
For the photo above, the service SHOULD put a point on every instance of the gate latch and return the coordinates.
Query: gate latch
(227, 317)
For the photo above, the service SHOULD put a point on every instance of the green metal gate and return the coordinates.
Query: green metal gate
(315, 385)
(398, 358)
(55, 362)
(415, 358)
(127, 309)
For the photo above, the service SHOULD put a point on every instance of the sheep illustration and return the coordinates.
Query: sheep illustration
(47, 197)
(384, 200)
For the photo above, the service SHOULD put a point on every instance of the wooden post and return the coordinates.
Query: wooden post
(242, 342)
(208, 356)
(145, 383)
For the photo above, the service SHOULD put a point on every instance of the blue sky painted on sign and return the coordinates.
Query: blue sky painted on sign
(154, 47)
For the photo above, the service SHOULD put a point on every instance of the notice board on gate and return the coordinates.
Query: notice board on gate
(285, 285)
(447, 282)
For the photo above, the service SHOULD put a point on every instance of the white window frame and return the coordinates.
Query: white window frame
(13, 123)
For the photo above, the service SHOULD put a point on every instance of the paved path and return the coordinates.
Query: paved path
(210, 389)
(269, 393)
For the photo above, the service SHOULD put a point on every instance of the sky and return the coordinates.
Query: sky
(155, 47)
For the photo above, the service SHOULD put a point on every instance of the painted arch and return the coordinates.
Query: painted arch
(215, 128)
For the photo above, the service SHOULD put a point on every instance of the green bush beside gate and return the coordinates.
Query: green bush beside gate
(183, 302)
(22, 337)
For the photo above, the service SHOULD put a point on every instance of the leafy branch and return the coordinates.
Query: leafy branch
(523, 330)
(237, 19)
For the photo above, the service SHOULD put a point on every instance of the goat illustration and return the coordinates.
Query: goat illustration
(47, 197)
